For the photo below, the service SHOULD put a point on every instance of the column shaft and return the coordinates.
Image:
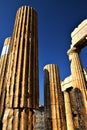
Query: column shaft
(3, 71)
(54, 105)
(78, 81)
(69, 117)
(21, 94)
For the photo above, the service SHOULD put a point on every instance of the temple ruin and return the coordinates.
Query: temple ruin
(65, 102)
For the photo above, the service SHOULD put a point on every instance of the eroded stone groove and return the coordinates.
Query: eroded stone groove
(53, 99)
(20, 91)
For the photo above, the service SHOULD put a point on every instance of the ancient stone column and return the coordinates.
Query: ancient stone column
(21, 90)
(3, 70)
(77, 70)
(68, 111)
(24, 60)
(19, 119)
(53, 99)
(4, 60)
(78, 81)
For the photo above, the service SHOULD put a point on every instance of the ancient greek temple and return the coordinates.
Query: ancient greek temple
(65, 102)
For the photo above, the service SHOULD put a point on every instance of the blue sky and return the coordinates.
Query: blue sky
(56, 21)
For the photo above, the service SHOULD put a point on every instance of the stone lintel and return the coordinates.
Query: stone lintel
(79, 35)
(67, 83)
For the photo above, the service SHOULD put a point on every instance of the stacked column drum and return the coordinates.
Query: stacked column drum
(21, 89)
(53, 99)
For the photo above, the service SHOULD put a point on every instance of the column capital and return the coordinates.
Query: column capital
(73, 50)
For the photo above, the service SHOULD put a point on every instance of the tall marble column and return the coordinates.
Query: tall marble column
(23, 63)
(53, 99)
(4, 53)
(22, 86)
(78, 80)
(77, 70)
(3, 70)
(4, 60)
(68, 111)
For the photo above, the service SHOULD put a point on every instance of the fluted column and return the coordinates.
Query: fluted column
(53, 99)
(68, 111)
(22, 86)
(78, 79)
(19, 119)
(4, 60)
(77, 70)
(3, 71)
(25, 60)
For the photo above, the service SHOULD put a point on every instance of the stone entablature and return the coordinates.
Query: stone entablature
(67, 83)
(79, 35)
